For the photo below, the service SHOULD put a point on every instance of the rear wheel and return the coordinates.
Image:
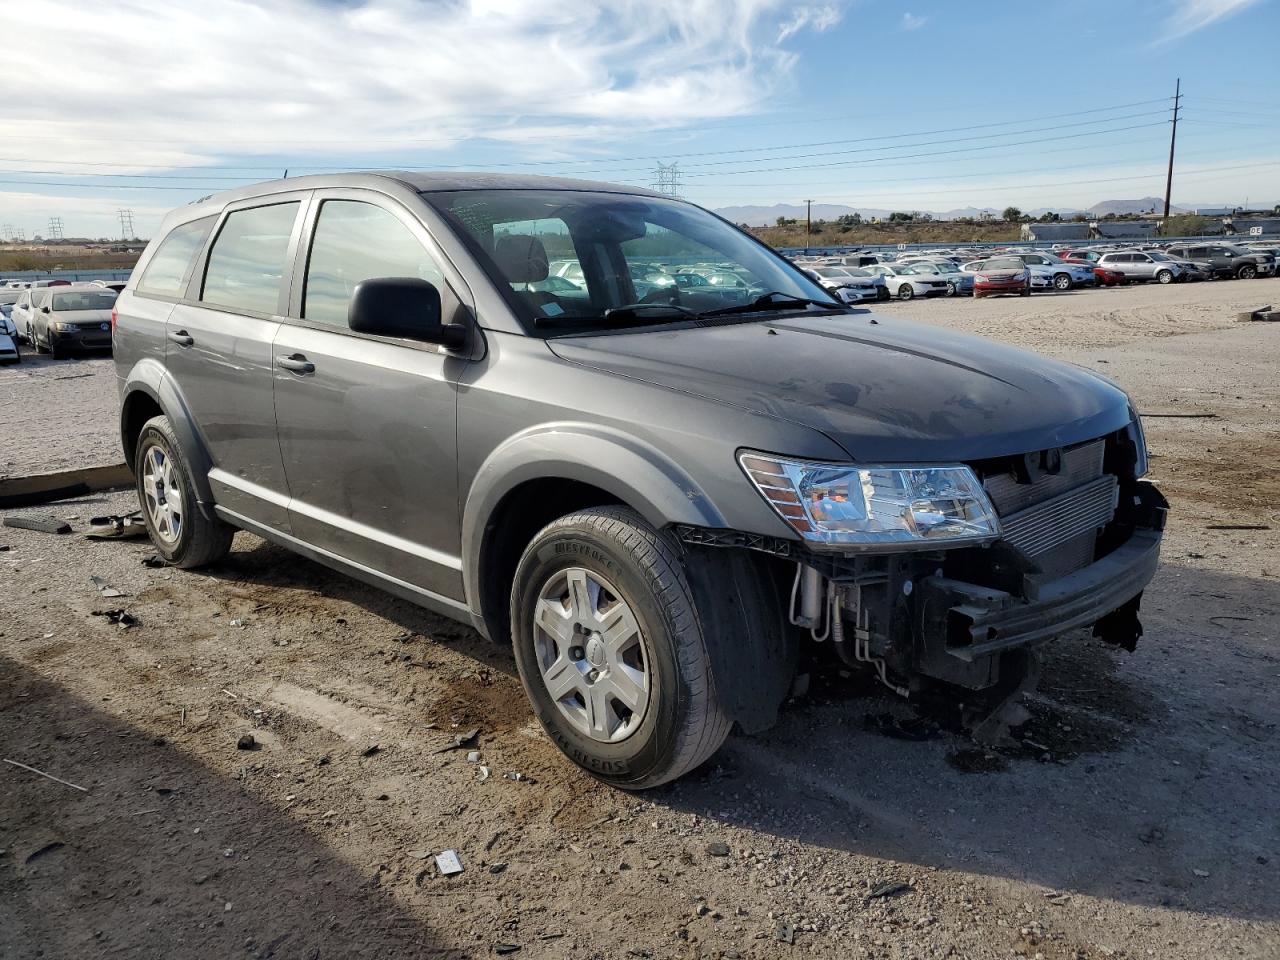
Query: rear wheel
(1062, 281)
(906, 291)
(180, 531)
(1165, 276)
(1247, 272)
(609, 646)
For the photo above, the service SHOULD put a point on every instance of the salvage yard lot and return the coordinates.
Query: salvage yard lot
(1137, 817)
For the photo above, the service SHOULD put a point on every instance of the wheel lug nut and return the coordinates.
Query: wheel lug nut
(577, 653)
(593, 675)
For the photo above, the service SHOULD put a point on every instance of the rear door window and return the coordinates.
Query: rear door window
(247, 262)
(355, 241)
(168, 270)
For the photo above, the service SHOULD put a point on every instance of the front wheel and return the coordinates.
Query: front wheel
(609, 646)
(952, 290)
(1062, 281)
(1247, 272)
(1165, 276)
(180, 531)
(1026, 291)
(906, 292)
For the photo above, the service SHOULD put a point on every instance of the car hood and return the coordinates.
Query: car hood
(886, 391)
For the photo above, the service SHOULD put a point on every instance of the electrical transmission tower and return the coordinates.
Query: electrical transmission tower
(9, 232)
(666, 179)
(126, 224)
(55, 228)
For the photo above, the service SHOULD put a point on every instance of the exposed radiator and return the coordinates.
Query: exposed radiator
(1049, 524)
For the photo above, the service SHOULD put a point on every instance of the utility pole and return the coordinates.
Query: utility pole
(808, 217)
(1173, 139)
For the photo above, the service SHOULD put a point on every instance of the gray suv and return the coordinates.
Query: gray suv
(662, 500)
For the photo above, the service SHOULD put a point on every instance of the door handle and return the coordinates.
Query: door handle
(297, 363)
(181, 337)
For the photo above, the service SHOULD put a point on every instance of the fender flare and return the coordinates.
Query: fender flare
(628, 469)
(149, 377)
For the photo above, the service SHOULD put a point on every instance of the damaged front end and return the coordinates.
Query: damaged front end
(1072, 541)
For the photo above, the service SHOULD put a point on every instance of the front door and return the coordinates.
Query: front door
(367, 424)
(218, 351)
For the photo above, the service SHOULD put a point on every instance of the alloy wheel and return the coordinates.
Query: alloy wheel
(163, 495)
(591, 654)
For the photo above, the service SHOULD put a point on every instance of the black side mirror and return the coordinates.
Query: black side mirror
(44, 309)
(402, 307)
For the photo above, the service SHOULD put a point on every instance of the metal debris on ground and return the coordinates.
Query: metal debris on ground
(460, 741)
(42, 522)
(1237, 526)
(121, 618)
(518, 777)
(497, 868)
(370, 750)
(105, 588)
(448, 863)
(502, 949)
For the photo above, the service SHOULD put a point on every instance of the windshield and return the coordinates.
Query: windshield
(87, 300)
(669, 259)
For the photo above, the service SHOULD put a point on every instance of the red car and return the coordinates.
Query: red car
(1107, 276)
(1002, 275)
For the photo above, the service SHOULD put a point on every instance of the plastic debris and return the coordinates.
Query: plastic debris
(460, 741)
(448, 863)
(121, 618)
(105, 588)
(39, 521)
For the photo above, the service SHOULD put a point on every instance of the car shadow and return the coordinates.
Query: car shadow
(161, 855)
(1114, 787)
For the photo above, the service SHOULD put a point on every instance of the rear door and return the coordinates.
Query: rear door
(218, 351)
(367, 424)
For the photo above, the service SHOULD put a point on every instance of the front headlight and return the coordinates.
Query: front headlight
(62, 326)
(1140, 443)
(884, 508)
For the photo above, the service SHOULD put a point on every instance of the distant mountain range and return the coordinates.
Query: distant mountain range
(763, 216)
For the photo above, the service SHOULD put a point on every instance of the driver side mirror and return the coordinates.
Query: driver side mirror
(402, 307)
(44, 309)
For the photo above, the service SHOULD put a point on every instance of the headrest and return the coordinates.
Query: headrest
(521, 258)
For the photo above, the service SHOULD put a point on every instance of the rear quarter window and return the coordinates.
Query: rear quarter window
(169, 268)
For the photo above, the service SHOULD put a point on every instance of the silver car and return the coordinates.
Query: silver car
(1144, 265)
(72, 319)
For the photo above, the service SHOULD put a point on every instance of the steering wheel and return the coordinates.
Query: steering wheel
(669, 294)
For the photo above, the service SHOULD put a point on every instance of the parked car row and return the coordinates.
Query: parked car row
(955, 272)
(61, 319)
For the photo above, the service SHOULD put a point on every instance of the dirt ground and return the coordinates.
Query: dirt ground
(1137, 816)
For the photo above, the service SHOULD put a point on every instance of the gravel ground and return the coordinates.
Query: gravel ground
(1136, 818)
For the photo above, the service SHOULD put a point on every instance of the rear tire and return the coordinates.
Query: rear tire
(192, 539)
(1247, 272)
(678, 723)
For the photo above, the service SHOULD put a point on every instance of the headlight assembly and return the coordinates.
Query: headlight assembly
(881, 508)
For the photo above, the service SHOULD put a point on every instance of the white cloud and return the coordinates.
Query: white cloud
(911, 21)
(180, 82)
(1192, 15)
(817, 19)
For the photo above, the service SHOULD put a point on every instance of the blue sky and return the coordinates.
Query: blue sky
(876, 103)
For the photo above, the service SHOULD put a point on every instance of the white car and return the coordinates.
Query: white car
(905, 281)
(850, 284)
(9, 352)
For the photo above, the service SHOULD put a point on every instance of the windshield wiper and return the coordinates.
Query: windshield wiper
(629, 313)
(774, 298)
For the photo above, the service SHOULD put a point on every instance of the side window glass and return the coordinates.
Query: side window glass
(173, 259)
(247, 261)
(357, 241)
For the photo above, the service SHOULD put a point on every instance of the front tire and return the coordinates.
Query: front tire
(179, 530)
(906, 292)
(609, 646)
(1164, 276)
(952, 289)
(1247, 272)
(1062, 281)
